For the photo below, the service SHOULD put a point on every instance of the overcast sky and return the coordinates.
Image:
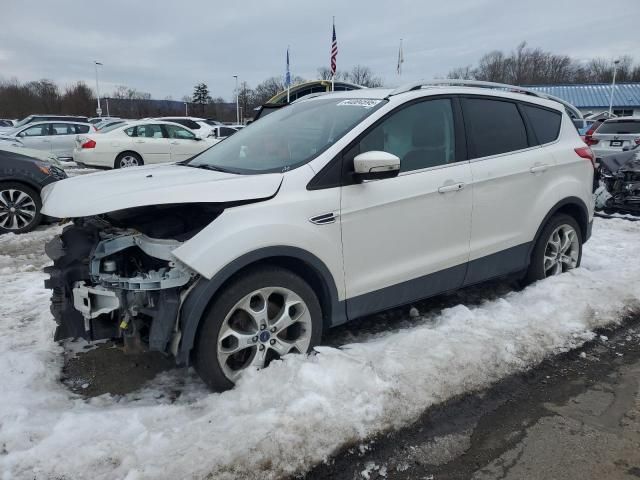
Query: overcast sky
(165, 47)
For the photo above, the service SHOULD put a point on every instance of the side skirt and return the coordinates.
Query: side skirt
(506, 262)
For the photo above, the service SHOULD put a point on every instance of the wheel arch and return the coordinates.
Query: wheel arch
(572, 206)
(22, 181)
(309, 267)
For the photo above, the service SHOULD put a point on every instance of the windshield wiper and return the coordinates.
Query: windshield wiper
(204, 166)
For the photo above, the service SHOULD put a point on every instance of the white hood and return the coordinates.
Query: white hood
(104, 192)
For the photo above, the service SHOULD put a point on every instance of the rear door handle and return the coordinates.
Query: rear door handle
(539, 168)
(139, 141)
(174, 143)
(451, 188)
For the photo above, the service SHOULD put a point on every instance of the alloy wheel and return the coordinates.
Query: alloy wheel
(129, 161)
(562, 251)
(262, 326)
(17, 209)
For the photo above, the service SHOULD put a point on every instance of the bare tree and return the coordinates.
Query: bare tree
(361, 75)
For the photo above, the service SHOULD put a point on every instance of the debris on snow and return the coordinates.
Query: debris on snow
(414, 312)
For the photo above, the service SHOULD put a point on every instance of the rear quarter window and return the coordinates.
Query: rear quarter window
(545, 123)
(82, 128)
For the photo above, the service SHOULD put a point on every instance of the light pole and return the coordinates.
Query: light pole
(613, 85)
(98, 110)
(186, 109)
(237, 102)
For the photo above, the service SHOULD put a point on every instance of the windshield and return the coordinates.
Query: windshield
(620, 127)
(112, 126)
(24, 121)
(288, 138)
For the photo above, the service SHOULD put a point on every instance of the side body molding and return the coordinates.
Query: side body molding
(205, 290)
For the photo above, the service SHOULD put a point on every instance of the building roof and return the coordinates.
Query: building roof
(594, 95)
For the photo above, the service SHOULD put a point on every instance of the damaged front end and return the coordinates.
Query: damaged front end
(114, 276)
(622, 182)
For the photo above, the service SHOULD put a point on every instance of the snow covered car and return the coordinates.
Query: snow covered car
(138, 143)
(21, 179)
(332, 208)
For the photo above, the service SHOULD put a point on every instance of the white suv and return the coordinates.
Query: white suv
(335, 207)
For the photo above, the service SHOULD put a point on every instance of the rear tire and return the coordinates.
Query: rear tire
(557, 250)
(128, 159)
(19, 208)
(260, 316)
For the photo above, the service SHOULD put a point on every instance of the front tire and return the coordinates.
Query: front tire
(128, 159)
(259, 317)
(19, 208)
(557, 250)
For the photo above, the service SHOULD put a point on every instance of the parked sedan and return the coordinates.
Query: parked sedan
(199, 126)
(22, 178)
(44, 118)
(139, 143)
(57, 137)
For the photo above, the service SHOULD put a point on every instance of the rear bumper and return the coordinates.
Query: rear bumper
(92, 158)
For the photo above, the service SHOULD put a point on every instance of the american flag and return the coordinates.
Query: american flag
(334, 51)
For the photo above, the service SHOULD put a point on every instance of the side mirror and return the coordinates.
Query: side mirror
(375, 165)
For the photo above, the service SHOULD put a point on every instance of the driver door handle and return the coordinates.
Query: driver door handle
(539, 168)
(454, 187)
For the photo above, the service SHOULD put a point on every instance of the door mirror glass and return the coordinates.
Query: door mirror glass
(376, 165)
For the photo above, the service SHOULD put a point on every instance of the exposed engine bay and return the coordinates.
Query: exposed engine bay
(114, 275)
(620, 177)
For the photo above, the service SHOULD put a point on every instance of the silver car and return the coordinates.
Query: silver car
(615, 135)
(57, 137)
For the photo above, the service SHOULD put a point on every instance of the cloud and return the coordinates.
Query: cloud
(165, 48)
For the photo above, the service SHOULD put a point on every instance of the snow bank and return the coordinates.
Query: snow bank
(284, 419)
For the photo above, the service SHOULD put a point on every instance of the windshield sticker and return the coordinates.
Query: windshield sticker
(360, 102)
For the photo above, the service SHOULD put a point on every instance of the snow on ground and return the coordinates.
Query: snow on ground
(286, 418)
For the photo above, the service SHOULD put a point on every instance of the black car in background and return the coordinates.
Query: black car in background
(21, 181)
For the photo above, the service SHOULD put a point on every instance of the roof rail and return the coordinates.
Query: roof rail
(571, 110)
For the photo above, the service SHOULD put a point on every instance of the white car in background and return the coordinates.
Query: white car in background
(200, 126)
(57, 137)
(139, 143)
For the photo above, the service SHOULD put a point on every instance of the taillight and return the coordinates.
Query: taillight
(637, 141)
(94, 128)
(589, 140)
(89, 144)
(587, 154)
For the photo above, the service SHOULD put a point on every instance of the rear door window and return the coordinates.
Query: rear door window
(493, 126)
(619, 127)
(62, 129)
(545, 123)
(178, 132)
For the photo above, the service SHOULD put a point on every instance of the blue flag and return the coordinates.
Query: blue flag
(287, 76)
